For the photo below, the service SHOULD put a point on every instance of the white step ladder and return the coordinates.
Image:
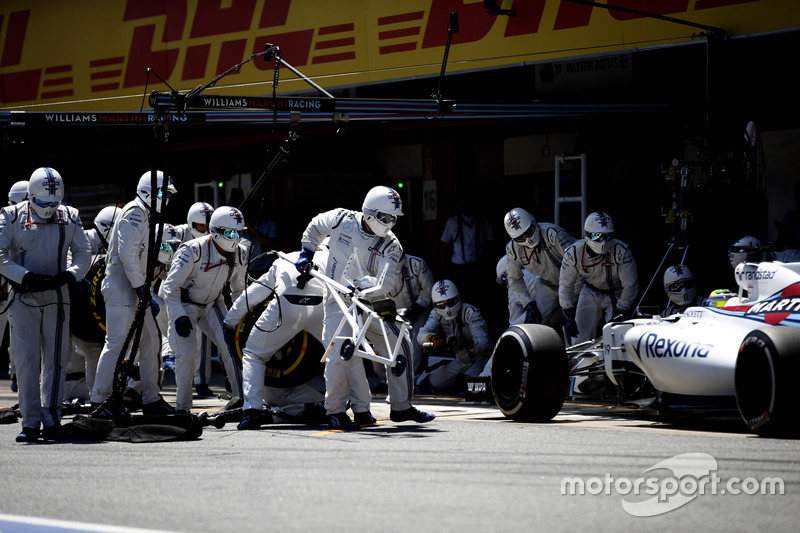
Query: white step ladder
(559, 199)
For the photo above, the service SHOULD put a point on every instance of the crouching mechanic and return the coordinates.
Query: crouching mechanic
(292, 310)
(457, 327)
(599, 281)
(679, 284)
(35, 238)
(415, 299)
(200, 270)
(361, 246)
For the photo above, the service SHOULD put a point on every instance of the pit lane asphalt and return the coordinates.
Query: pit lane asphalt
(468, 470)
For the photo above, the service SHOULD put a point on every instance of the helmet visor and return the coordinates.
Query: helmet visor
(164, 194)
(385, 218)
(229, 233)
(444, 304)
(525, 235)
(45, 205)
(677, 286)
(599, 236)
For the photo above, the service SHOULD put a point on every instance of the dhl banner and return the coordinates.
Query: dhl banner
(104, 54)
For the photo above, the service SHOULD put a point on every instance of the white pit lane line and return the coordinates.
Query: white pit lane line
(27, 524)
(573, 417)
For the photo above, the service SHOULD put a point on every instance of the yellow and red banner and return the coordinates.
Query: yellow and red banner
(103, 54)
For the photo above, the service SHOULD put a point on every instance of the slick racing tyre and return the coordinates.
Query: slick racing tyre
(765, 381)
(296, 363)
(529, 373)
(87, 308)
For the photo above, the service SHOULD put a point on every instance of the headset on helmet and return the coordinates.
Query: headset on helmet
(104, 220)
(382, 206)
(225, 226)
(18, 192)
(747, 249)
(45, 191)
(522, 227)
(143, 189)
(199, 213)
(169, 243)
(446, 299)
(679, 285)
(598, 231)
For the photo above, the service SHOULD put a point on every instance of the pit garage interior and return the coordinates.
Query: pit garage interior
(696, 103)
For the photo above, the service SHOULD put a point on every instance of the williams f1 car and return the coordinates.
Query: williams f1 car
(744, 355)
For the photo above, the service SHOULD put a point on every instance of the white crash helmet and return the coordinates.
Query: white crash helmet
(162, 197)
(382, 206)
(225, 226)
(522, 227)
(446, 299)
(104, 220)
(746, 249)
(598, 231)
(199, 213)
(679, 285)
(502, 271)
(45, 191)
(169, 243)
(18, 192)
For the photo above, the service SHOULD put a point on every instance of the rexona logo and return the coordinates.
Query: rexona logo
(775, 309)
(654, 345)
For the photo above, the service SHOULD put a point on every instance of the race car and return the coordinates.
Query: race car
(743, 355)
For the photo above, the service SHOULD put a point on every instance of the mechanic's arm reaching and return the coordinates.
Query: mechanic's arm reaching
(514, 274)
(180, 271)
(238, 279)
(569, 284)
(8, 268)
(256, 293)
(80, 249)
(628, 277)
(425, 276)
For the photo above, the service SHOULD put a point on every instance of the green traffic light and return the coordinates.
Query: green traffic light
(221, 184)
(400, 184)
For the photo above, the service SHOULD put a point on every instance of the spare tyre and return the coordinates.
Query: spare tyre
(529, 373)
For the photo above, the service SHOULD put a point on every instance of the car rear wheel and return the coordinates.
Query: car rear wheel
(766, 372)
(529, 373)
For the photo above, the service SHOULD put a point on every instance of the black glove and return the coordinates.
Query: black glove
(83, 286)
(154, 307)
(412, 315)
(229, 334)
(64, 278)
(33, 282)
(304, 262)
(140, 292)
(457, 342)
(183, 326)
(620, 313)
(532, 314)
(569, 322)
